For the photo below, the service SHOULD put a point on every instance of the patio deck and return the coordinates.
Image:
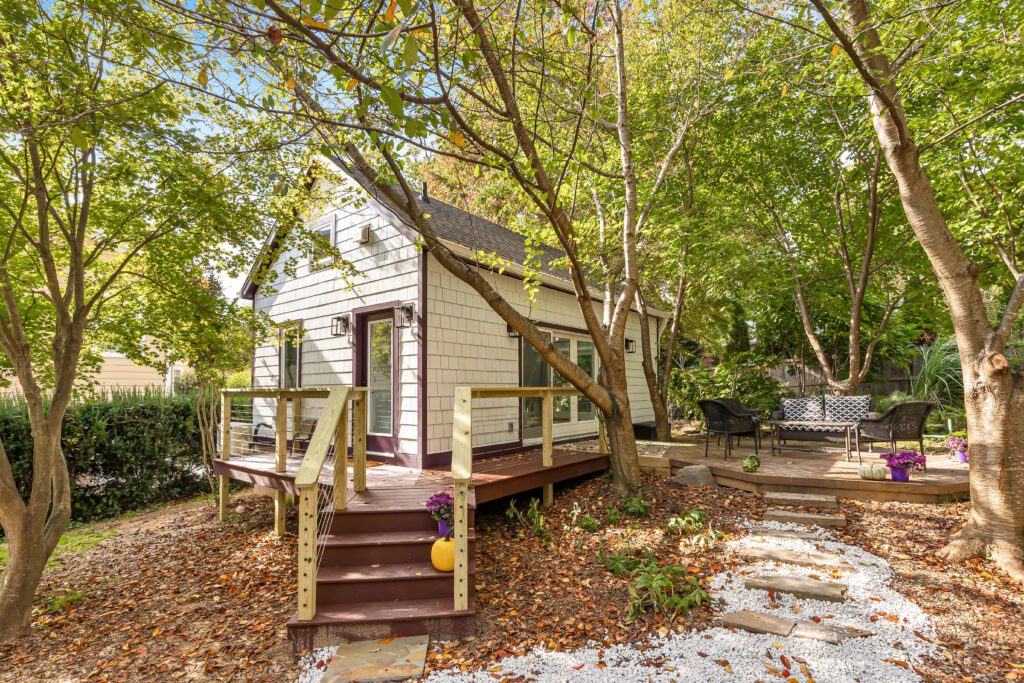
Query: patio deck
(390, 487)
(800, 471)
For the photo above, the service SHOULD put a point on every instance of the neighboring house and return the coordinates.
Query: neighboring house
(411, 332)
(120, 373)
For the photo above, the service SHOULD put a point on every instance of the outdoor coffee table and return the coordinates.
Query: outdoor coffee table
(849, 430)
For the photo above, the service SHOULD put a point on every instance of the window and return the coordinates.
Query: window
(324, 239)
(537, 373)
(290, 360)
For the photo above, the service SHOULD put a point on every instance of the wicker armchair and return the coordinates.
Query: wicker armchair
(721, 419)
(901, 422)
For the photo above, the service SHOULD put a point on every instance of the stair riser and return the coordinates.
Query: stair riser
(361, 556)
(322, 635)
(362, 522)
(387, 591)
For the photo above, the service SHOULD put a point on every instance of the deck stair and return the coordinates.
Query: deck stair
(375, 579)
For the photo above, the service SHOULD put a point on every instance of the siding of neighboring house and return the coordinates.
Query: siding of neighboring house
(468, 345)
(118, 372)
(387, 268)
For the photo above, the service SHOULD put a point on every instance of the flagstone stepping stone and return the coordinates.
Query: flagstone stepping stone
(800, 587)
(808, 518)
(806, 499)
(826, 632)
(810, 534)
(390, 659)
(759, 622)
(807, 558)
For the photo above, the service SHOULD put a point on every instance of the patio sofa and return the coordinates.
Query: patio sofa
(822, 410)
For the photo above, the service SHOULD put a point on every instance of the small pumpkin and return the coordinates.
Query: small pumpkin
(751, 463)
(873, 471)
(442, 554)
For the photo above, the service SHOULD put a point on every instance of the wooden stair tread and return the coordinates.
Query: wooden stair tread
(398, 610)
(370, 538)
(384, 572)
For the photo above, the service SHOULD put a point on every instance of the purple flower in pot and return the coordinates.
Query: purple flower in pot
(957, 446)
(441, 507)
(902, 463)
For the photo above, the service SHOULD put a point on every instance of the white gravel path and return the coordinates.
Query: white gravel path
(718, 654)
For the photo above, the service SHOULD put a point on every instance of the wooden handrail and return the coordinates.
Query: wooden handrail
(331, 426)
(462, 462)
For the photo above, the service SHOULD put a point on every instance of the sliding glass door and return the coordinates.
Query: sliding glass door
(571, 415)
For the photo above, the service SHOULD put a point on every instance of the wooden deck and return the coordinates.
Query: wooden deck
(391, 487)
(828, 473)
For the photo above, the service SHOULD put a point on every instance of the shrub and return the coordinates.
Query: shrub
(663, 590)
(745, 376)
(124, 453)
(636, 506)
(687, 524)
(939, 378)
(620, 562)
(533, 518)
(612, 516)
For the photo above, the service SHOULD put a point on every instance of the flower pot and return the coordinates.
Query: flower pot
(960, 456)
(443, 530)
(899, 474)
(442, 554)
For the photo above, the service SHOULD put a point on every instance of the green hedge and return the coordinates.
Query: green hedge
(124, 453)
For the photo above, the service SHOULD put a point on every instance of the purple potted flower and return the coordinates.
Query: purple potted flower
(900, 464)
(441, 507)
(957, 446)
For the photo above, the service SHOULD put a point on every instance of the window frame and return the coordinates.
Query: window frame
(320, 261)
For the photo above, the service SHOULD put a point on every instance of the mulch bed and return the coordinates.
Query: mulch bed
(978, 611)
(176, 595)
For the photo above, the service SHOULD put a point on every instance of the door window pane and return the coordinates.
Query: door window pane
(290, 345)
(585, 359)
(379, 371)
(536, 373)
(561, 405)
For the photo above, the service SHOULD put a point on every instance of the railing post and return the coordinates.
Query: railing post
(359, 441)
(307, 552)
(280, 465)
(546, 452)
(225, 454)
(462, 474)
(341, 461)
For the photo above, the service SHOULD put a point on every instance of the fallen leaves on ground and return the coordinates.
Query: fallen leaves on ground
(175, 595)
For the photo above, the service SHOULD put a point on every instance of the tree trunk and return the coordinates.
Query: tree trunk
(995, 424)
(32, 534)
(622, 444)
(662, 425)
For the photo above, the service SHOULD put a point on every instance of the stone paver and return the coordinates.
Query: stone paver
(395, 659)
(810, 534)
(807, 499)
(804, 559)
(759, 622)
(800, 587)
(826, 632)
(810, 519)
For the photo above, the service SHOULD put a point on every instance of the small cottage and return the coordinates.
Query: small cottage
(411, 332)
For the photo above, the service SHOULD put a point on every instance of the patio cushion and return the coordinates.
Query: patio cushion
(847, 408)
(804, 409)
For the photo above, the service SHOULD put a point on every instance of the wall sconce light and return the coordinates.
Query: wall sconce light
(340, 325)
(511, 331)
(405, 314)
(630, 345)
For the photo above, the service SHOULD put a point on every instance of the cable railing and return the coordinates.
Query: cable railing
(244, 432)
(462, 462)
